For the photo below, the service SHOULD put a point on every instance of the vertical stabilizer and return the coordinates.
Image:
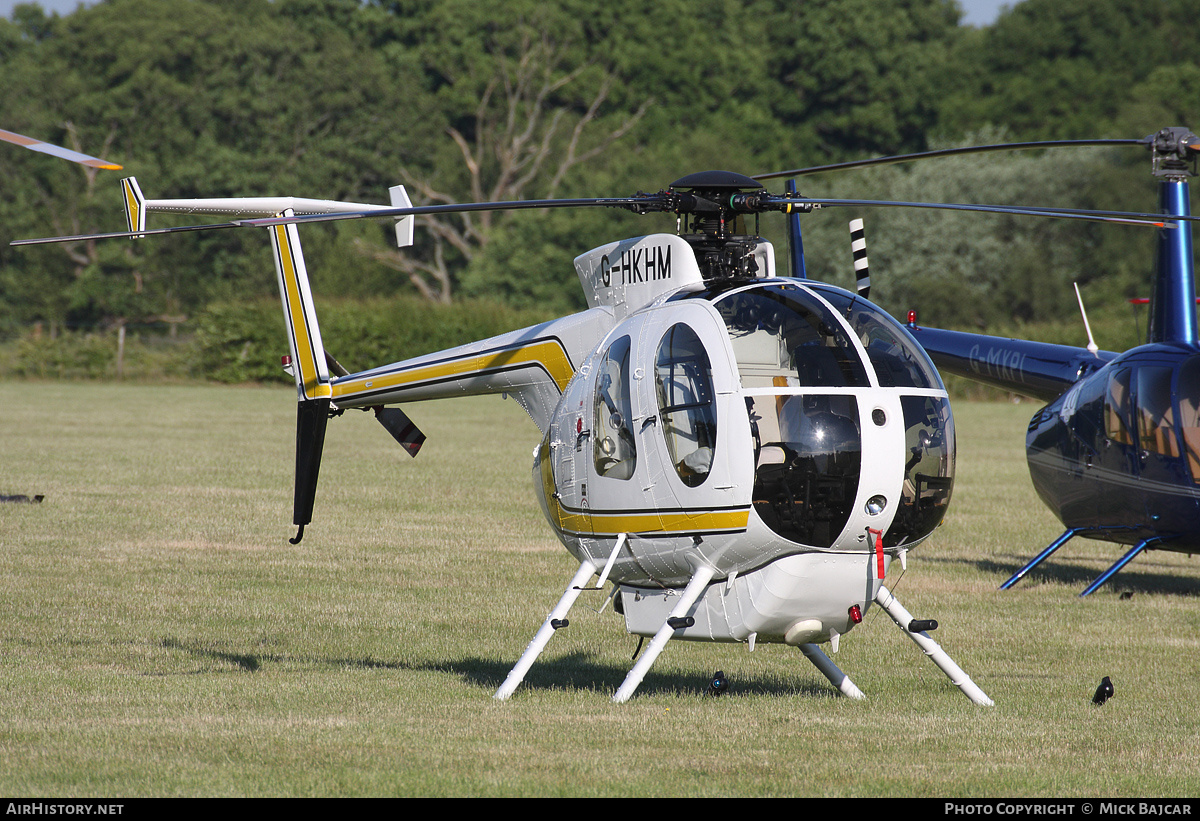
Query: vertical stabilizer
(405, 226)
(304, 336)
(309, 366)
(135, 205)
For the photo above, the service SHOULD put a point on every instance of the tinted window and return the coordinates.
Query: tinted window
(928, 469)
(1118, 409)
(808, 452)
(1188, 391)
(1156, 420)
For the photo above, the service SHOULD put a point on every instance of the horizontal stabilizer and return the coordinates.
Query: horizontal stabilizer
(137, 206)
(397, 423)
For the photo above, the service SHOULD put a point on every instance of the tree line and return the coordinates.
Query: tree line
(461, 101)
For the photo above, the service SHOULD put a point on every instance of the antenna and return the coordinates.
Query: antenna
(1091, 346)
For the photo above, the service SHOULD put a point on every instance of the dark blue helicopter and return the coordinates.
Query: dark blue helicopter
(1115, 453)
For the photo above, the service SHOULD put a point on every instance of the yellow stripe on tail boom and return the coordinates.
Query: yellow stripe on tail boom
(547, 355)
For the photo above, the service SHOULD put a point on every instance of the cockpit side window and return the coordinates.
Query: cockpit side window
(1188, 392)
(898, 361)
(1156, 419)
(928, 469)
(615, 449)
(683, 382)
(1118, 409)
(782, 331)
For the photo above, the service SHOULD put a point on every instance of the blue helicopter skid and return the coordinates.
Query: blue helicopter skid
(1126, 559)
(1041, 557)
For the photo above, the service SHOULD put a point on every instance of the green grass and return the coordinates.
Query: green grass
(159, 636)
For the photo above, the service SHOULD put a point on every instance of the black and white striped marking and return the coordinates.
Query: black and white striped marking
(858, 244)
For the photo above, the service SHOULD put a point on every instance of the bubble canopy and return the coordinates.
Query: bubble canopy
(809, 358)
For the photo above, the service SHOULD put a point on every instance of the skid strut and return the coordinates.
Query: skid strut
(679, 613)
(903, 619)
(1041, 557)
(831, 671)
(1126, 559)
(555, 620)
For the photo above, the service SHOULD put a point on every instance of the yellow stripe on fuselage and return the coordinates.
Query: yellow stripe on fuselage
(664, 522)
(612, 523)
(546, 354)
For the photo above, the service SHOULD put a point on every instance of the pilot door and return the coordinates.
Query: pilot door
(561, 463)
(1160, 453)
(662, 462)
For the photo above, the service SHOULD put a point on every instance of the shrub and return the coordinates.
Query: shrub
(240, 342)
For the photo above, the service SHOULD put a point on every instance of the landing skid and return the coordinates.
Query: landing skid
(679, 618)
(1104, 577)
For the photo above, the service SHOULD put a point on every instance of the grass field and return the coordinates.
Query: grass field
(160, 637)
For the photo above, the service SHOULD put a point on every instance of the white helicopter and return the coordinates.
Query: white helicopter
(743, 455)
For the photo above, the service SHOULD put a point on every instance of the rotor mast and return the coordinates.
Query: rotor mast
(1173, 300)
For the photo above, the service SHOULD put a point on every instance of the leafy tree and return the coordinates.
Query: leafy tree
(523, 98)
(970, 270)
(196, 99)
(535, 98)
(1064, 69)
(857, 77)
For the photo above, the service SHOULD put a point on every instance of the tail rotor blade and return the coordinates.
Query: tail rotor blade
(394, 420)
(402, 429)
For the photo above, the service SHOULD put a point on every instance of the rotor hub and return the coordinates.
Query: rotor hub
(712, 205)
(1174, 152)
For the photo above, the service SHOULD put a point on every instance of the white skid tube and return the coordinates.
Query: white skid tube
(903, 618)
(831, 671)
(688, 598)
(535, 648)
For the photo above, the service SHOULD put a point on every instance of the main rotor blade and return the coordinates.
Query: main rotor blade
(644, 202)
(1118, 217)
(212, 226)
(944, 152)
(641, 204)
(56, 150)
